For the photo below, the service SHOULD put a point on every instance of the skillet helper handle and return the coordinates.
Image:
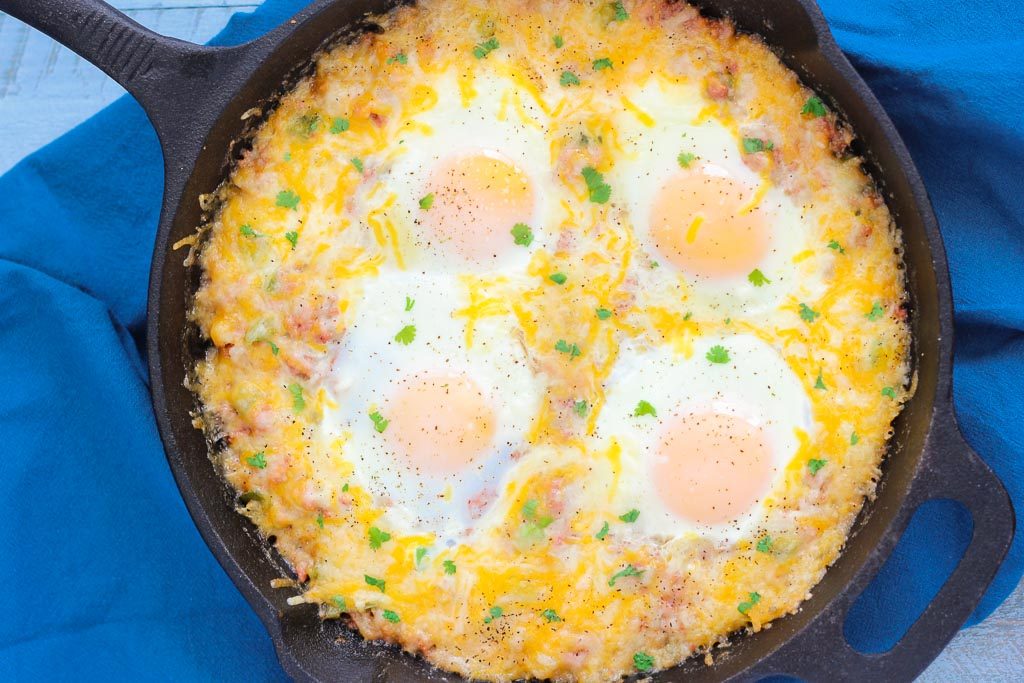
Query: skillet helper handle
(951, 470)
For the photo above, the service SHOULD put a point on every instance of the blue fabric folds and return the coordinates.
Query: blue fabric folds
(103, 573)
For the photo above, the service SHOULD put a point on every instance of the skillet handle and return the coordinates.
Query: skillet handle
(950, 470)
(183, 87)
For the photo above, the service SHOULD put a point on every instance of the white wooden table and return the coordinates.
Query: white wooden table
(46, 89)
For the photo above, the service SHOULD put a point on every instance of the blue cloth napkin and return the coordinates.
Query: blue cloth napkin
(103, 573)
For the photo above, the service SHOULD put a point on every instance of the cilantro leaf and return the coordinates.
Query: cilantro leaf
(643, 661)
(320, 519)
(603, 314)
(630, 516)
(257, 460)
(814, 107)
(273, 347)
(339, 125)
(686, 158)
(755, 145)
(247, 231)
(379, 423)
(746, 605)
(420, 554)
(757, 278)
(406, 335)
(765, 545)
(807, 313)
(287, 199)
(889, 391)
(814, 465)
(599, 190)
(391, 616)
(600, 535)
(522, 235)
(557, 40)
(580, 408)
(292, 237)
(305, 125)
(820, 383)
(644, 408)
(620, 11)
(378, 537)
(358, 163)
(835, 246)
(449, 567)
(493, 613)
(339, 602)
(485, 48)
(375, 582)
(409, 303)
(568, 78)
(603, 63)
(854, 438)
(563, 346)
(630, 570)
(427, 201)
(551, 615)
(558, 278)
(398, 57)
(717, 354)
(298, 402)
(876, 312)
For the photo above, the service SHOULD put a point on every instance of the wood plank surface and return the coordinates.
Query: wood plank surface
(46, 90)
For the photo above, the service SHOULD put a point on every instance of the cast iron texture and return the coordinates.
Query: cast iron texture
(195, 97)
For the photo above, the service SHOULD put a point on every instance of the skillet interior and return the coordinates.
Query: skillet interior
(309, 647)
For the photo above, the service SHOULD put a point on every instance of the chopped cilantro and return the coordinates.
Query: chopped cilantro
(746, 605)
(420, 554)
(305, 125)
(375, 582)
(406, 335)
(620, 11)
(398, 57)
(558, 278)
(644, 408)
(551, 615)
(630, 516)
(580, 408)
(686, 158)
(257, 460)
(248, 231)
(379, 423)
(493, 613)
(344, 489)
(755, 145)
(765, 545)
(807, 313)
(820, 383)
(569, 78)
(757, 278)
(599, 191)
(876, 311)
(427, 201)
(522, 235)
(273, 347)
(814, 106)
(643, 661)
(563, 346)
(358, 163)
(378, 537)
(298, 402)
(889, 391)
(603, 532)
(557, 40)
(485, 48)
(854, 438)
(449, 567)
(339, 602)
(688, 316)
(320, 519)
(339, 125)
(287, 199)
(630, 570)
(603, 63)
(603, 314)
(717, 354)
(409, 303)
(815, 464)
(292, 237)
(391, 616)
(835, 246)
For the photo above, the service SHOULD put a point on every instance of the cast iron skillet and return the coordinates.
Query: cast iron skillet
(195, 97)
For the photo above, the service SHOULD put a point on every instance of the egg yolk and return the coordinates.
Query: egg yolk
(705, 224)
(440, 422)
(710, 468)
(477, 199)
